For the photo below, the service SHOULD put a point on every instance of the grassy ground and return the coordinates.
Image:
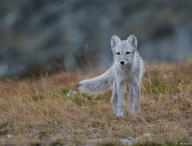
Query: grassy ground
(50, 111)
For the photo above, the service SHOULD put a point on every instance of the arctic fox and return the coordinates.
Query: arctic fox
(128, 68)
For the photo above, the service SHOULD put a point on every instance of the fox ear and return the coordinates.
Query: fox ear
(132, 39)
(114, 41)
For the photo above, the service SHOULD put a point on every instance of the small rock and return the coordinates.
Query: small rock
(96, 140)
(174, 97)
(147, 134)
(126, 140)
(71, 92)
(178, 96)
(10, 136)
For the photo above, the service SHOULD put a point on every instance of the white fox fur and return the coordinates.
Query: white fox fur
(128, 68)
(98, 84)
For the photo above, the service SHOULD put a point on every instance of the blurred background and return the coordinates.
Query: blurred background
(55, 35)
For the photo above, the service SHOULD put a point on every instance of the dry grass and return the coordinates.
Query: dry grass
(50, 111)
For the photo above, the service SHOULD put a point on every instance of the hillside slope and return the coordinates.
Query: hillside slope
(50, 111)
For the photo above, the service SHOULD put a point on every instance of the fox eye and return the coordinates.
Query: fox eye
(128, 53)
(118, 53)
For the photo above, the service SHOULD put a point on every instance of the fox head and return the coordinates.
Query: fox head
(123, 50)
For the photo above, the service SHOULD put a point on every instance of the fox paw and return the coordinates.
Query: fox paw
(119, 114)
(134, 112)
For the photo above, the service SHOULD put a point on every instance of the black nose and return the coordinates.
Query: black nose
(122, 62)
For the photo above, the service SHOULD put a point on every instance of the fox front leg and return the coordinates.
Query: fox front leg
(134, 97)
(114, 98)
(120, 99)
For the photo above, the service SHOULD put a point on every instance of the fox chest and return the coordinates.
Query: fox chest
(124, 76)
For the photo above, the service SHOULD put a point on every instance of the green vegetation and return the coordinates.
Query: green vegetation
(51, 111)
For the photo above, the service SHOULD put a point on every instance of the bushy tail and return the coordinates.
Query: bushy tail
(98, 84)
